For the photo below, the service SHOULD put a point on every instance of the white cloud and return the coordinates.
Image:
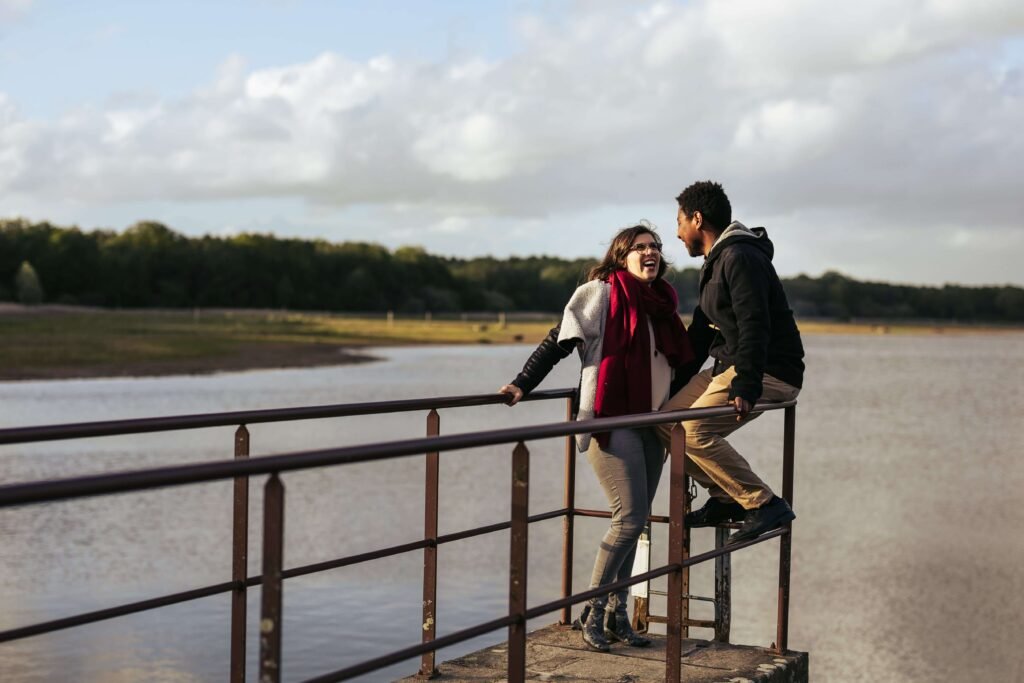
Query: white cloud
(11, 10)
(452, 225)
(905, 112)
(786, 131)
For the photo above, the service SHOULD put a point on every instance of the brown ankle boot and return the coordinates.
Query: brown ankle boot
(619, 628)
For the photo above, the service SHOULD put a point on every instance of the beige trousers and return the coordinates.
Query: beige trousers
(719, 468)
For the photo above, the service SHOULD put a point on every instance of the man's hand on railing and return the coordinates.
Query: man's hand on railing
(742, 407)
(513, 391)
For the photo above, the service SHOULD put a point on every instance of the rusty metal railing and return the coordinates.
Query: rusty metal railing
(274, 572)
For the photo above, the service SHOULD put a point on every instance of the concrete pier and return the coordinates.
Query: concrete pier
(557, 653)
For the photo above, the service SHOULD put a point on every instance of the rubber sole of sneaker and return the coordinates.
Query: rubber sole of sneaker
(703, 525)
(770, 525)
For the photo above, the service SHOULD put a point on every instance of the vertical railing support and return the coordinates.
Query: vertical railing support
(273, 560)
(427, 662)
(786, 541)
(239, 561)
(723, 588)
(517, 563)
(686, 555)
(642, 563)
(676, 539)
(568, 521)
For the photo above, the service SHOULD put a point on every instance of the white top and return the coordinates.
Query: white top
(661, 373)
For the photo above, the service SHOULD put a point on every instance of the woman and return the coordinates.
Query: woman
(624, 323)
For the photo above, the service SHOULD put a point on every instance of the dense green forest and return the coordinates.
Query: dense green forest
(149, 265)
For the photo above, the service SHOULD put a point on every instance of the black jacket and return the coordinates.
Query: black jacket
(540, 362)
(741, 299)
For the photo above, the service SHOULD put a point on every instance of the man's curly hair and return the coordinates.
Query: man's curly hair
(709, 198)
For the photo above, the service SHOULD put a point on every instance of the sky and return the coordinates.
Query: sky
(883, 139)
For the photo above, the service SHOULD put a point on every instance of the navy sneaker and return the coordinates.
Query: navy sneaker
(715, 512)
(771, 515)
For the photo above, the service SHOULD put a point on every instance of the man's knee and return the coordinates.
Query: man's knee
(702, 434)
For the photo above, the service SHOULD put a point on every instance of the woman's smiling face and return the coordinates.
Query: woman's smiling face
(644, 258)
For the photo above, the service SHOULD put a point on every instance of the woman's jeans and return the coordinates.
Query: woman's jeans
(628, 470)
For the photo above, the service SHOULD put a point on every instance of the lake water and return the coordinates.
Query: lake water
(908, 550)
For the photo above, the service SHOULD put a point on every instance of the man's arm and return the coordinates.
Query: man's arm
(701, 335)
(748, 276)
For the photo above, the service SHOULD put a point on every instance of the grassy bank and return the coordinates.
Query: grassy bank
(55, 343)
(51, 342)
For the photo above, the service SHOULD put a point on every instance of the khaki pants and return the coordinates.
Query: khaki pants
(719, 468)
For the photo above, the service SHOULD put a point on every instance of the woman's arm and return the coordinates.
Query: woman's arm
(537, 366)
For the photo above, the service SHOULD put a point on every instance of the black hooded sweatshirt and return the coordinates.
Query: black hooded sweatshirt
(742, 317)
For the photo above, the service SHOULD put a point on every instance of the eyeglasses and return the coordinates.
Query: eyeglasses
(650, 246)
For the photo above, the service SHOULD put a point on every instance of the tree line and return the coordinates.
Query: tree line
(150, 265)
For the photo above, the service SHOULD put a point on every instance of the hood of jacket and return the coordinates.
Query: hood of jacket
(737, 232)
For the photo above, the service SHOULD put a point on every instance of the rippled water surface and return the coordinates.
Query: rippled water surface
(908, 551)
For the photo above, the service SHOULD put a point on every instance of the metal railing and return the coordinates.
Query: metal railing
(273, 574)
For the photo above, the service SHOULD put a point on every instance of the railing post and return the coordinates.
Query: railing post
(676, 539)
(239, 561)
(427, 662)
(685, 607)
(517, 563)
(723, 588)
(568, 521)
(273, 560)
(786, 541)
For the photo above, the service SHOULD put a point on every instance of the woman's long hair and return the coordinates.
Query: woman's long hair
(615, 258)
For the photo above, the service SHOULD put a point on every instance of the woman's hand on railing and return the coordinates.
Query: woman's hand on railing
(512, 390)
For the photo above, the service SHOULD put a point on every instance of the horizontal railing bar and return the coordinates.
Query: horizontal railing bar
(699, 623)
(473, 631)
(144, 425)
(653, 574)
(733, 547)
(660, 519)
(111, 612)
(539, 610)
(606, 514)
(198, 593)
(413, 651)
(153, 603)
(607, 588)
(139, 480)
(354, 559)
(406, 547)
(500, 526)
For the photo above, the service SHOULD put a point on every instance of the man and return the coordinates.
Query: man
(744, 322)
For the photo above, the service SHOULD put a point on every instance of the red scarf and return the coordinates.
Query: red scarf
(624, 376)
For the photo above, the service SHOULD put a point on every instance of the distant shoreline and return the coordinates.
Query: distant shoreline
(65, 342)
(264, 357)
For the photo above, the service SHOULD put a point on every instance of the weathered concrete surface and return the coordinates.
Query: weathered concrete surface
(556, 653)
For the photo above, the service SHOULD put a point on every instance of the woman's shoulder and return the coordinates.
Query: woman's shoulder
(593, 288)
(584, 314)
(589, 298)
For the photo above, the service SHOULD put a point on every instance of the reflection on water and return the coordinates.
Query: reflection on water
(906, 565)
